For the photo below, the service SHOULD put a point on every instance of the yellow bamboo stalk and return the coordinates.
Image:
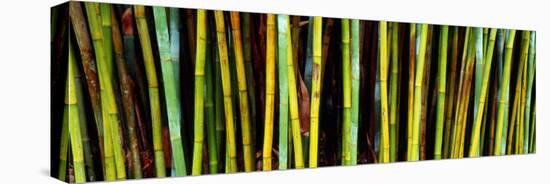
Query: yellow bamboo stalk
(271, 44)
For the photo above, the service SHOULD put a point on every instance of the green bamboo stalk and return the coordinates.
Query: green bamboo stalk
(480, 63)
(64, 147)
(114, 161)
(88, 65)
(521, 113)
(126, 86)
(199, 92)
(355, 77)
(315, 91)
(153, 89)
(393, 91)
(385, 156)
(282, 26)
(418, 92)
(442, 72)
(213, 152)
(474, 148)
(531, 77)
(532, 143)
(72, 111)
(410, 105)
(270, 92)
(170, 89)
(243, 92)
(226, 83)
(293, 101)
(218, 95)
(346, 78)
(503, 99)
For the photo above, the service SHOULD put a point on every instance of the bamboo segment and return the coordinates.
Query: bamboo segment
(199, 92)
(226, 83)
(315, 91)
(474, 149)
(346, 78)
(282, 26)
(154, 98)
(243, 92)
(442, 71)
(72, 111)
(503, 99)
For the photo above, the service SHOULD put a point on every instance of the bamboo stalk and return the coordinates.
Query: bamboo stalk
(479, 66)
(250, 81)
(153, 89)
(64, 146)
(72, 111)
(270, 92)
(243, 92)
(450, 99)
(88, 64)
(172, 98)
(531, 75)
(346, 78)
(282, 26)
(226, 83)
(293, 100)
(474, 149)
(114, 161)
(410, 105)
(384, 94)
(212, 139)
(442, 74)
(503, 99)
(199, 92)
(393, 91)
(127, 91)
(417, 93)
(315, 90)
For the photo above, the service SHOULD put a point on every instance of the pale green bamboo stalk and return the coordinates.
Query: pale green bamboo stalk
(270, 92)
(531, 77)
(172, 99)
(243, 92)
(282, 26)
(474, 148)
(154, 98)
(346, 78)
(199, 92)
(385, 156)
(418, 92)
(226, 84)
(480, 63)
(112, 169)
(442, 72)
(503, 99)
(393, 91)
(355, 77)
(72, 111)
(315, 91)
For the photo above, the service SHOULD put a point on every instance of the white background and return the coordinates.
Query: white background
(25, 70)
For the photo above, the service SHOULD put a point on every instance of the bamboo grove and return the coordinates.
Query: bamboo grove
(141, 92)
